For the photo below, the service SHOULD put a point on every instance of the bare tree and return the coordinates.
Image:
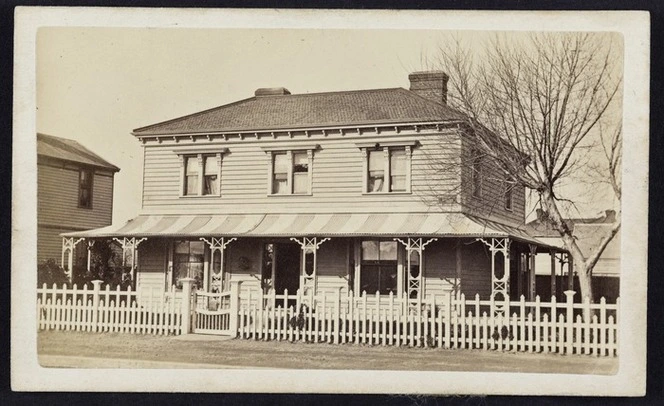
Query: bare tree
(537, 108)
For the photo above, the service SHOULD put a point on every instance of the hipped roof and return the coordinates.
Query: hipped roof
(311, 110)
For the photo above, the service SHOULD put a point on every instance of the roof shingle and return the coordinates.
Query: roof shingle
(359, 107)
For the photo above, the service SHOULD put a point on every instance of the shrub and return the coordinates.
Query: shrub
(49, 272)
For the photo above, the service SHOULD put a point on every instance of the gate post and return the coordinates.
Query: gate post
(186, 304)
(95, 303)
(235, 308)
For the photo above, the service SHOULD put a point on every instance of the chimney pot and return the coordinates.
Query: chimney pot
(271, 91)
(431, 85)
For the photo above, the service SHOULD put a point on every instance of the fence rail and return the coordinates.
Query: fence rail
(96, 310)
(556, 327)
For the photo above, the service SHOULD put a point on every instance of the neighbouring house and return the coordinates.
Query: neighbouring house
(588, 233)
(74, 193)
(327, 192)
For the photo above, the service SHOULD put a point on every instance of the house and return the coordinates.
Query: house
(588, 233)
(74, 193)
(328, 192)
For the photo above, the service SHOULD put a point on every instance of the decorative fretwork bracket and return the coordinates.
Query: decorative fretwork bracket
(130, 244)
(415, 286)
(309, 246)
(500, 286)
(217, 245)
(69, 247)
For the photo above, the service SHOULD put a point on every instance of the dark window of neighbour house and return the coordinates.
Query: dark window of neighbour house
(191, 175)
(210, 173)
(379, 267)
(188, 259)
(85, 178)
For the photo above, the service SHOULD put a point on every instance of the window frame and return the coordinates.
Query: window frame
(387, 149)
(90, 187)
(360, 265)
(290, 153)
(201, 156)
(204, 263)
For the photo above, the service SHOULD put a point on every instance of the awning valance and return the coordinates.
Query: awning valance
(297, 225)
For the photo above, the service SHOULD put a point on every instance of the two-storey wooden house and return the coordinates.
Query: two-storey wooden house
(326, 192)
(74, 193)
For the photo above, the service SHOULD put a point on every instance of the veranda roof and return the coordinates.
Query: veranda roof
(299, 225)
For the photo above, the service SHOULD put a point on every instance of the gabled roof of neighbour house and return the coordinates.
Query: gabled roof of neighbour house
(71, 151)
(539, 228)
(310, 110)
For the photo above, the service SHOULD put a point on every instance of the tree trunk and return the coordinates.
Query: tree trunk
(585, 281)
(556, 220)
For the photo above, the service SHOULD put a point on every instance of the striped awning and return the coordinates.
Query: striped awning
(299, 225)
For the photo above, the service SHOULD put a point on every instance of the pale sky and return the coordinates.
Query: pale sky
(95, 85)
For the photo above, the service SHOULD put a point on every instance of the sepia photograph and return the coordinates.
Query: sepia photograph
(416, 204)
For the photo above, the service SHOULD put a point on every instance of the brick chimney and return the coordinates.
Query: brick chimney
(431, 85)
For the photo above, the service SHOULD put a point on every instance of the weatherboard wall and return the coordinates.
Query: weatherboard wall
(337, 184)
(490, 203)
(57, 205)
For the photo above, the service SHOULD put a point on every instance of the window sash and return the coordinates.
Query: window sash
(508, 196)
(191, 175)
(379, 276)
(476, 174)
(188, 262)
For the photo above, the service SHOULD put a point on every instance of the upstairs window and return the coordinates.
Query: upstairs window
(476, 176)
(280, 174)
(85, 180)
(290, 170)
(300, 173)
(191, 176)
(376, 180)
(398, 170)
(210, 175)
(200, 174)
(387, 167)
(509, 188)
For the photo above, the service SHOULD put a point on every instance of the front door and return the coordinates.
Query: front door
(287, 268)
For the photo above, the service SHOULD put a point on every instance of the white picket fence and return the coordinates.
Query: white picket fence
(107, 310)
(547, 327)
(441, 322)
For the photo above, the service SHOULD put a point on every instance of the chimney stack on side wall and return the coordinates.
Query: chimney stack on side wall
(431, 85)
